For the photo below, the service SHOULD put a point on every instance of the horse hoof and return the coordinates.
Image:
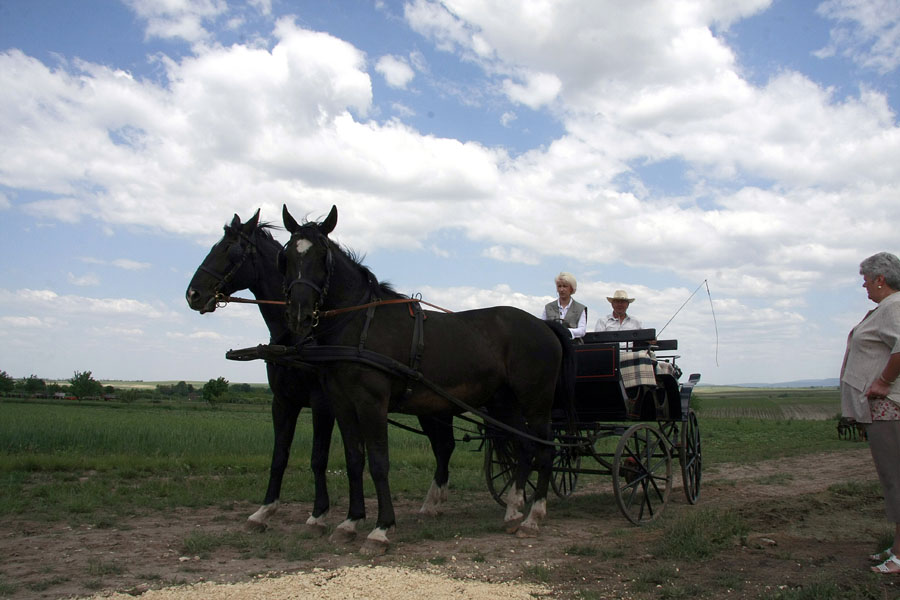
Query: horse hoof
(374, 547)
(316, 529)
(255, 525)
(512, 525)
(342, 536)
(527, 531)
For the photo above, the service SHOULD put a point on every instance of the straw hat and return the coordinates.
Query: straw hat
(620, 295)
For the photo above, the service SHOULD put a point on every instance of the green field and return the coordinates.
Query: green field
(77, 461)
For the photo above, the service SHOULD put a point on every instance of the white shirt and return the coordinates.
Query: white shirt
(611, 323)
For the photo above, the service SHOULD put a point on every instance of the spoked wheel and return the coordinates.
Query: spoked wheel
(690, 457)
(642, 473)
(566, 464)
(500, 461)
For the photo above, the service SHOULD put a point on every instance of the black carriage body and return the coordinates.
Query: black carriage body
(631, 418)
(601, 393)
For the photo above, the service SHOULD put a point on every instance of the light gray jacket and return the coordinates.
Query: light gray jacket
(869, 346)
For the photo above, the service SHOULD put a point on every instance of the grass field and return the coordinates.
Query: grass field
(64, 458)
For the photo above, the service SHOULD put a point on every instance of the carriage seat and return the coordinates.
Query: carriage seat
(632, 338)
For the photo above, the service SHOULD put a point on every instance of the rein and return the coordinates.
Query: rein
(222, 300)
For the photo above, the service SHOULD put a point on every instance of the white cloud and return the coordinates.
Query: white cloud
(25, 322)
(70, 305)
(88, 279)
(402, 110)
(539, 89)
(182, 19)
(516, 255)
(121, 263)
(396, 71)
(867, 32)
(118, 332)
(783, 185)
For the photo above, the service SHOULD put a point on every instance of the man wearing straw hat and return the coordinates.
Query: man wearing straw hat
(618, 319)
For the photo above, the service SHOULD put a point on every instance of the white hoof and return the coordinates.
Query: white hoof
(376, 543)
(316, 525)
(434, 500)
(260, 519)
(344, 533)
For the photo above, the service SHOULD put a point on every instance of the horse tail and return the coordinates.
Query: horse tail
(565, 381)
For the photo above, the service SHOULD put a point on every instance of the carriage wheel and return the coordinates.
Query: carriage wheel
(642, 473)
(690, 457)
(566, 464)
(500, 460)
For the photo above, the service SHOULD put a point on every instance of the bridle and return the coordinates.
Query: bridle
(237, 255)
(322, 290)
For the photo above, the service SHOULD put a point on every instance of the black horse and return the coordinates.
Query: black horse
(500, 358)
(245, 258)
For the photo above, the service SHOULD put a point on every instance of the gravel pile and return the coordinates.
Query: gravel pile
(383, 583)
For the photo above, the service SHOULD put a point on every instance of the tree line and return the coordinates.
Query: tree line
(82, 385)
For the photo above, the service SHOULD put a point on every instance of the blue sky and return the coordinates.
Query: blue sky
(473, 150)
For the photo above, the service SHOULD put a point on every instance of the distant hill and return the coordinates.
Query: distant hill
(800, 383)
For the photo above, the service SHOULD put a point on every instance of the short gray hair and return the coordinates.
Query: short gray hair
(883, 263)
(568, 279)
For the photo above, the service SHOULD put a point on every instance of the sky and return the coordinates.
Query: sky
(728, 164)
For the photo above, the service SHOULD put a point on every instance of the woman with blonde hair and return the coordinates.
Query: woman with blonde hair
(565, 310)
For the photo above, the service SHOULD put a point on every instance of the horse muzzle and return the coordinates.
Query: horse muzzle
(195, 302)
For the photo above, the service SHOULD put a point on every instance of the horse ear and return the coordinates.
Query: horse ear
(330, 221)
(252, 223)
(235, 222)
(281, 262)
(289, 223)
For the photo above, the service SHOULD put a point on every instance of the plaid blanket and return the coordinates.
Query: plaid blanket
(667, 368)
(636, 368)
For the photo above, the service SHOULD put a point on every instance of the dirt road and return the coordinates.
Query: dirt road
(799, 534)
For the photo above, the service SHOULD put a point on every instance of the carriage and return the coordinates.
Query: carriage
(630, 420)
(320, 305)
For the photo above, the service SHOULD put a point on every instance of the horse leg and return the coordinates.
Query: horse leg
(355, 458)
(373, 420)
(284, 423)
(515, 497)
(439, 430)
(323, 427)
(544, 463)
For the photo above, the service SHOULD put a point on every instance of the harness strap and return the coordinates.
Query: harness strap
(418, 344)
(338, 311)
(370, 314)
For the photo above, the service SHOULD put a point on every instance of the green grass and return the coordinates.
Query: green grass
(700, 534)
(98, 463)
(83, 463)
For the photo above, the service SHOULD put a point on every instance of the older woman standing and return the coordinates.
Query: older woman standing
(567, 311)
(870, 392)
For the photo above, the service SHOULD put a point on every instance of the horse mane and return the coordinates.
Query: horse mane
(265, 228)
(380, 289)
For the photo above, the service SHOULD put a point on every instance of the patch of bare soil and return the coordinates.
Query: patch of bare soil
(800, 534)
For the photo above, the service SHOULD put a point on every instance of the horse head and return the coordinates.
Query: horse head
(307, 263)
(228, 266)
